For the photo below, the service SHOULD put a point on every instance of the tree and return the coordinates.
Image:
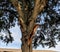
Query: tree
(28, 13)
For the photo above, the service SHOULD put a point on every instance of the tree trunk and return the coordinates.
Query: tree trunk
(25, 47)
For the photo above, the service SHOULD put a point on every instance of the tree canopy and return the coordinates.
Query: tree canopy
(49, 20)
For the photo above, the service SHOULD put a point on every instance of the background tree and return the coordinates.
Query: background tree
(30, 15)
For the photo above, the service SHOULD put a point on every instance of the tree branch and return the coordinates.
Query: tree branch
(39, 6)
(17, 5)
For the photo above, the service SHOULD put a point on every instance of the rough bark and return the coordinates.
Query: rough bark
(28, 30)
(25, 47)
(38, 8)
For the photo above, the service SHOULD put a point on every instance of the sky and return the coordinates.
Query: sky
(16, 33)
(16, 44)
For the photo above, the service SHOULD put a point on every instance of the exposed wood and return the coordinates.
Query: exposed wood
(33, 33)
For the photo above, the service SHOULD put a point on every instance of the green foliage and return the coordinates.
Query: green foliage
(49, 30)
(8, 17)
(6, 38)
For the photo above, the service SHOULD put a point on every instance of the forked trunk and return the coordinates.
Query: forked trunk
(27, 17)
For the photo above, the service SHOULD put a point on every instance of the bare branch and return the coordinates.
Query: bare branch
(39, 6)
(18, 7)
(20, 12)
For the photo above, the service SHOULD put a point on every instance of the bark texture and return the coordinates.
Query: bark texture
(25, 47)
(27, 21)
